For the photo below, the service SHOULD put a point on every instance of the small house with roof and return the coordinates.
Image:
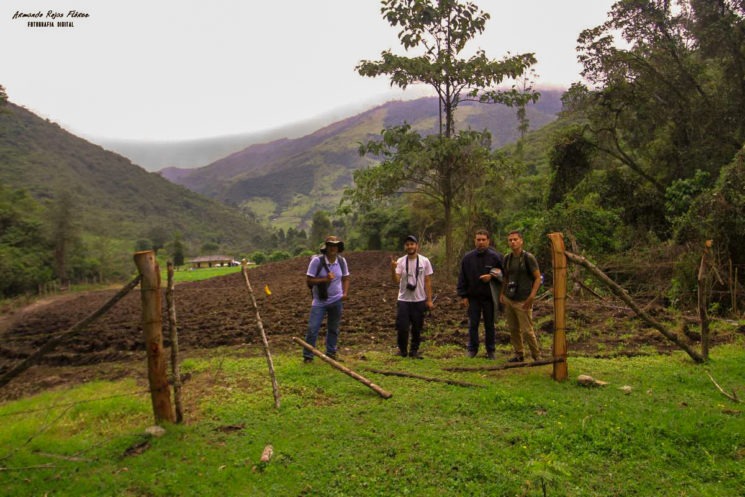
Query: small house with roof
(212, 261)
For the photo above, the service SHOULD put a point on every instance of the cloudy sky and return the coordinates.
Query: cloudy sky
(183, 69)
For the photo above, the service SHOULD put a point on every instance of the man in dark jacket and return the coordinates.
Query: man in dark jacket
(477, 269)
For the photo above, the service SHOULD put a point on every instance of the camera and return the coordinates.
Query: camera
(411, 287)
(511, 290)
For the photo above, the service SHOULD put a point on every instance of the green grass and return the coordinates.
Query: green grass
(184, 274)
(520, 435)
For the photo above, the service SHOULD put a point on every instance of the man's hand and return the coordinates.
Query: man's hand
(485, 278)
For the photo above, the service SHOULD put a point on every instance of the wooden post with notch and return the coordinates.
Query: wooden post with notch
(152, 327)
(559, 261)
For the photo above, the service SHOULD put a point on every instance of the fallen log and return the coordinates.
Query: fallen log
(623, 295)
(343, 369)
(52, 343)
(425, 378)
(509, 365)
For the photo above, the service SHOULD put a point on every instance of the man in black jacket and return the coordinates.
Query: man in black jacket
(477, 269)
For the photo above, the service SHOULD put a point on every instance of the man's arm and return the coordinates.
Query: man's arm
(395, 274)
(344, 287)
(428, 291)
(534, 289)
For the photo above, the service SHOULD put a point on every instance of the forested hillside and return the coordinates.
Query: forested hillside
(60, 192)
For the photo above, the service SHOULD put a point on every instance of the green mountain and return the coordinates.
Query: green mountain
(112, 196)
(285, 181)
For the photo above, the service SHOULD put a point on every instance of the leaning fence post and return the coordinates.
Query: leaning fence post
(152, 327)
(265, 341)
(173, 332)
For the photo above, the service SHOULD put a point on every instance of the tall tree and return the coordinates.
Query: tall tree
(65, 232)
(440, 30)
(669, 97)
(320, 229)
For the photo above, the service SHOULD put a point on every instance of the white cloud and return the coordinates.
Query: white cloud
(168, 69)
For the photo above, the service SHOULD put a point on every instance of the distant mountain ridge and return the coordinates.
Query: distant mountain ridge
(113, 197)
(285, 181)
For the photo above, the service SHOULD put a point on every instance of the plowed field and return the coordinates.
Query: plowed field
(218, 312)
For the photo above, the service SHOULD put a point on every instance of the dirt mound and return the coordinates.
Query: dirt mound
(218, 312)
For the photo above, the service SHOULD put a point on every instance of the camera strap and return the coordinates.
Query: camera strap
(416, 271)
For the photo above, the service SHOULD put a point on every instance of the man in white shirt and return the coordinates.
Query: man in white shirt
(413, 274)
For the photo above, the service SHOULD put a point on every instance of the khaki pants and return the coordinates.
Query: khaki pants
(520, 323)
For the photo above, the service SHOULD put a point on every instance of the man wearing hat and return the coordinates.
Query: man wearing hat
(328, 276)
(413, 274)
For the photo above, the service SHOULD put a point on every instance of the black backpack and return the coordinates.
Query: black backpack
(522, 262)
(323, 288)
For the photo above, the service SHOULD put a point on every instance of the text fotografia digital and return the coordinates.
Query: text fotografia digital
(50, 18)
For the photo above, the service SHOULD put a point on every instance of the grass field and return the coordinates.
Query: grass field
(186, 275)
(519, 434)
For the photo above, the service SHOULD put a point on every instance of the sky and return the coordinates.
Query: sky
(170, 70)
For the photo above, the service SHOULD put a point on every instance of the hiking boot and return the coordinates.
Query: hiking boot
(490, 355)
(307, 360)
(517, 358)
(334, 357)
(471, 354)
(415, 355)
(402, 353)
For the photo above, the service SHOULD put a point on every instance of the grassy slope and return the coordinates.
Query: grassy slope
(674, 434)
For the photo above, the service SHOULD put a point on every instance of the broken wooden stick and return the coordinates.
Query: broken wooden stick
(270, 363)
(343, 369)
(509, 365)
(425, 378)
(733, 397)
(52, 343)
(267, 454)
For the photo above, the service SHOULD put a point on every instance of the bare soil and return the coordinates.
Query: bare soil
(219, 313)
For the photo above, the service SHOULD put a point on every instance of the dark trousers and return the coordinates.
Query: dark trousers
(410, 316)
(477, 308)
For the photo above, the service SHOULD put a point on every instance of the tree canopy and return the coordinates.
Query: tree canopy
(442, 167)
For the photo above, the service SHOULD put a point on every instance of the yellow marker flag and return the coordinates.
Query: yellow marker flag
(267, 291)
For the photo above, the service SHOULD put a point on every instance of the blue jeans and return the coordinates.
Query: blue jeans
(332, 312)
(476, 308)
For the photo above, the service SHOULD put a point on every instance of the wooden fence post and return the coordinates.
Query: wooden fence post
(152, 327)
(559, 261)
(173, 333)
